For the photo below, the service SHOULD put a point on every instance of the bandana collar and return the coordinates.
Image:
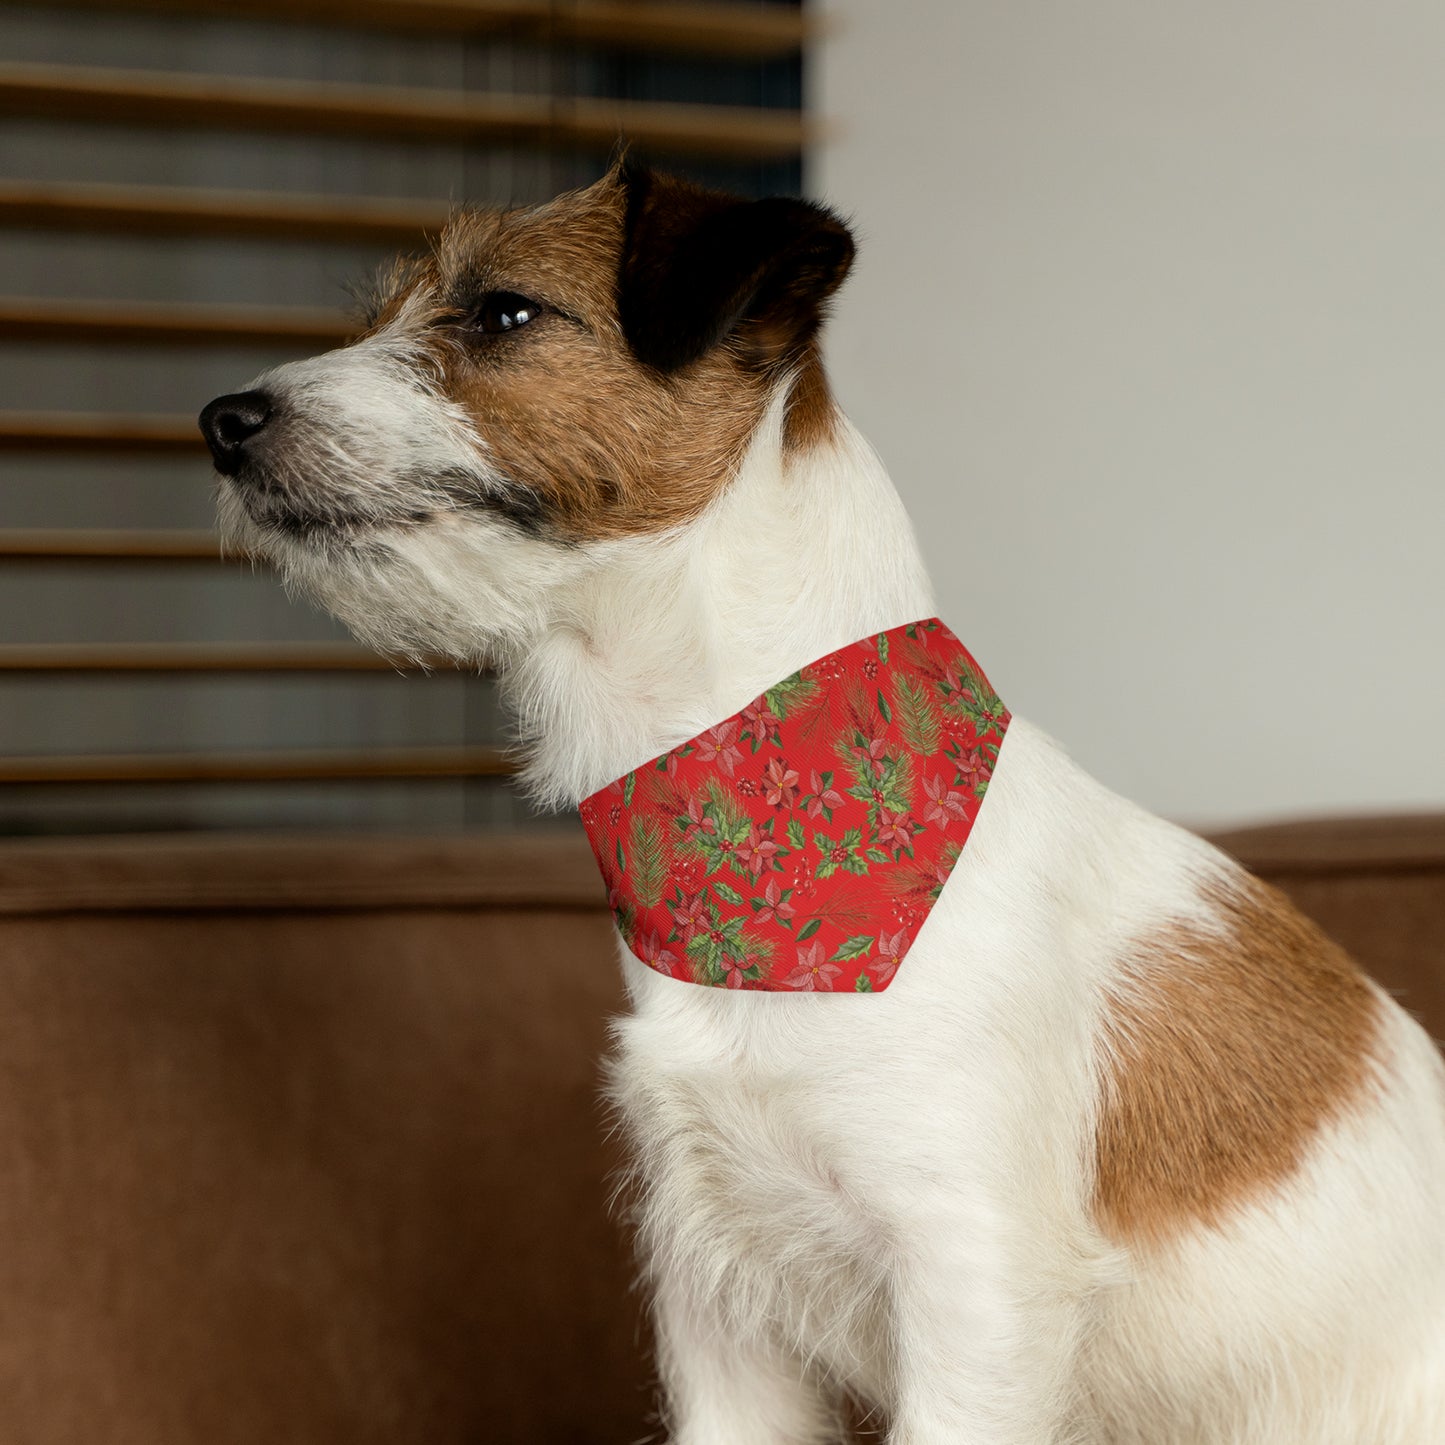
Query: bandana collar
(800, 844)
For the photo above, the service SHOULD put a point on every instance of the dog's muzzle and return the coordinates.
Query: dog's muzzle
(230, 422)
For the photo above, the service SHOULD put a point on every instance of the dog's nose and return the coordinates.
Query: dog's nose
(229, 422)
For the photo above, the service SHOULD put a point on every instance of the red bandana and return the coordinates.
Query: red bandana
(801, 843)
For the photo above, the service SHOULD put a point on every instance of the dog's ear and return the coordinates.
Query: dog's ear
(699, 266)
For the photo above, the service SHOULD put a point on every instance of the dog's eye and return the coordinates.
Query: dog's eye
(504, 311)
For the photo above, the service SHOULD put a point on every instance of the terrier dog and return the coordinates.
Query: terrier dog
(1123, 1150)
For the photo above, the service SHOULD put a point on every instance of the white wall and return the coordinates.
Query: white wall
(1149, 323)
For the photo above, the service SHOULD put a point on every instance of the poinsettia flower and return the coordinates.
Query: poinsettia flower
(822, 797)
(813, 972)
(697, 821)
(691, 919)
(890, 955)
(650, 950)
(719, 746)
(760, 720)
(775, 906)
(944, 802)
(757, 852)
(972, 769)
(734, 970)
(895, 830)
(875, 752)
(780, 784)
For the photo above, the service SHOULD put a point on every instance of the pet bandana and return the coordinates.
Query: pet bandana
(800, 844)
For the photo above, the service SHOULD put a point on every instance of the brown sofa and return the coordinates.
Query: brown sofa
(301, 1138)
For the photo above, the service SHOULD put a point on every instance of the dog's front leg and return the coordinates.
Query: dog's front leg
(985, 1348)
(720, 1388)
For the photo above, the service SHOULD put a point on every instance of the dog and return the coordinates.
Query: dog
(1123, 1151)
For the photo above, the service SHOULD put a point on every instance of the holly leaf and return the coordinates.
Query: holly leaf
(864, 984)
(855, 947)
(879, 856)
(795, 833)
(727, 893)
(882, 647)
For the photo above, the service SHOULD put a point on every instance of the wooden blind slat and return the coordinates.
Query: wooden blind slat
(174, 210)
(216, 102)
(77, 431)
(708, 29)
(76, 544)
(259, 767)
(170, 323)
(201, 657)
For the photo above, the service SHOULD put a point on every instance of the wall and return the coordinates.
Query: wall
(1149, 323)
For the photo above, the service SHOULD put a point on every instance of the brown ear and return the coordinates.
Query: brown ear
(699, 266)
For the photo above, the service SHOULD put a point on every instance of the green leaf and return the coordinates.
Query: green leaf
(920, 724)
(884, 708)
(789, 694)
(882, 647)
(809, 929)
(628, 788)
(863, 984)
(879, 856)
(649, 862)
(725, 811)
(621, 861)
(795, 833)
(727, 893)
(855, 947)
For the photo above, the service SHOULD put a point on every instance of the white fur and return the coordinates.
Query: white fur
(891, 1195)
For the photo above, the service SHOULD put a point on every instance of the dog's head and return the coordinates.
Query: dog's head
(547, 383)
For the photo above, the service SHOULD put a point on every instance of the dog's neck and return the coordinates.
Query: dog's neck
(665, 636)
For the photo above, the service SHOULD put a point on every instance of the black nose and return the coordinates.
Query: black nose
(229, 422)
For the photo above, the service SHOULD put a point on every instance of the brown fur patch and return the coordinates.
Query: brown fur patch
(812, 413)
(607, 446)
(1226, 1054)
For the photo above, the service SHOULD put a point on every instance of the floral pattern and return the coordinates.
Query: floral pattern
(799, 845)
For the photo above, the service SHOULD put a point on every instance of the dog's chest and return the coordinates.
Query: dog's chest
(747, 1159)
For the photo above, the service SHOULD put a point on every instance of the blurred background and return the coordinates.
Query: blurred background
(301, 1009)
(1147, 312)
(187, 191)
(1149, 324)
